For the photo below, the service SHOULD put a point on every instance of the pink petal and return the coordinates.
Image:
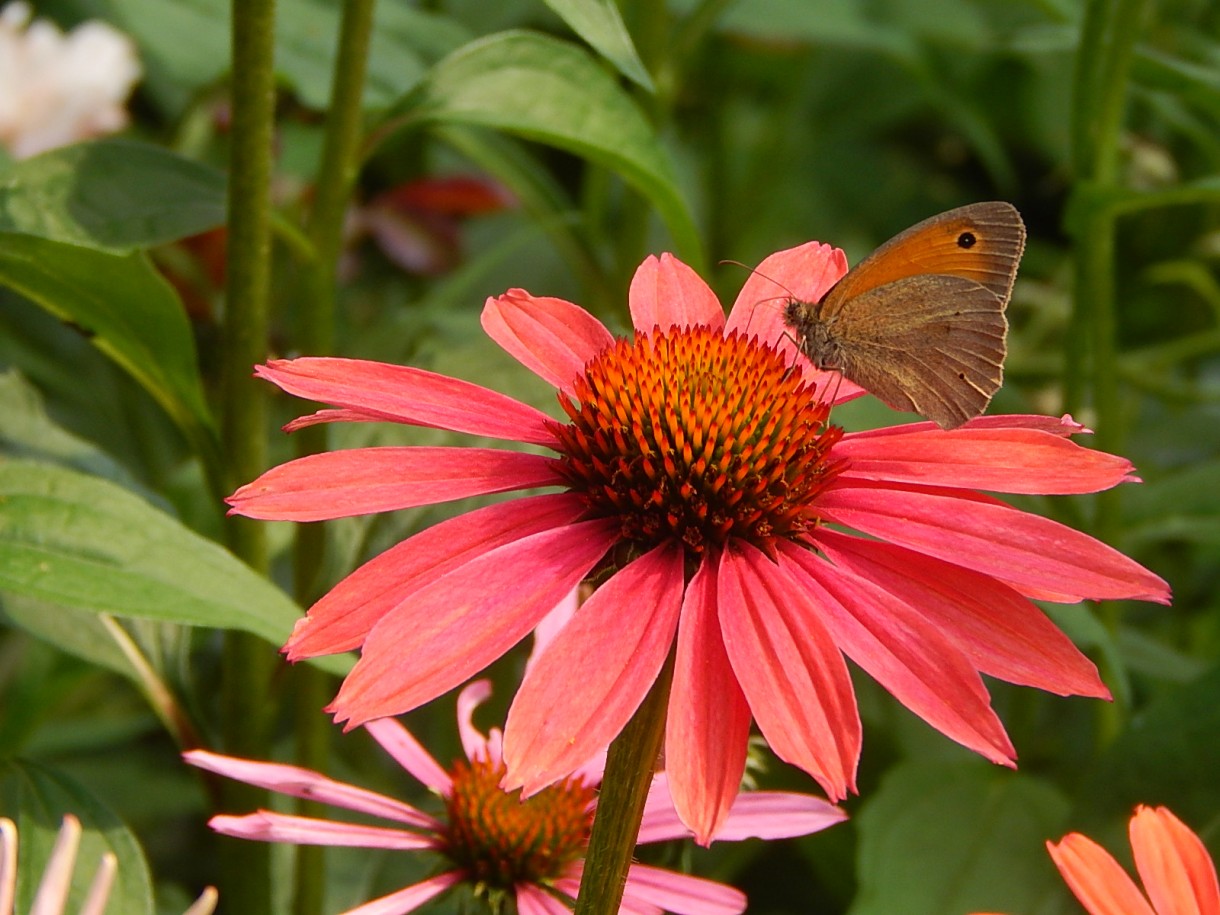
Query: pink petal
(342, 619)
(462, 622)
(1062, 426)
(297, 782)
(988, 536)
(666, 293)
(533, 900)
(411, 898)
(708, 724)
(409, 753)
(1174, 864)
(681, 893)
(903, 652)
(474, 743)
(266, 826)
(409, 395)
(1002, 633)
(552, 624)
(789, 668)
(1000, 460)
(552, 338)
(777, 815)
(361, 481)
(592, 678)
(1096, 879)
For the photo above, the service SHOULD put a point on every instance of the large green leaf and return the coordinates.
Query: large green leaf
(115, 195)
(600, 23)
(944, 837)
(128, 310)
(551, 91)
(188, 40)
(36, 798)
(77, 541)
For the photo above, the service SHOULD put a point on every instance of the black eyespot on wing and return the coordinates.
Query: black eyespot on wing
(966, 240)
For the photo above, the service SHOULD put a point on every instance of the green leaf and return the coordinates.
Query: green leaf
(131, 313)
(940, 838)
(1169, 754)
(599, 23)
(553, 92)
(188, 41)
(114, 195)
(77, 541)
(36, 797)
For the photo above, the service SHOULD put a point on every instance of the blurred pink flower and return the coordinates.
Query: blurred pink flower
(56, 89)
(51, 897)
(493, 841)
(700, 481)
(1177, 872)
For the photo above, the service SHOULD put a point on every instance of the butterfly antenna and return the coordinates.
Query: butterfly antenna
(789, 294)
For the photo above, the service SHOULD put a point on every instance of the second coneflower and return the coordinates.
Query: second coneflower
(703, 488)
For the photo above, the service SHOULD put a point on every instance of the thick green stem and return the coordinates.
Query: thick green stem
(620, 804)
(244, 877)
(332, 190)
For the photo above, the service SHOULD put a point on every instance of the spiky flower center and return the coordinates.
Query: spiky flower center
(502, 840)
(697, 437)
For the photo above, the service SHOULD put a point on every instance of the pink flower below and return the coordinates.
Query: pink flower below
(492, 841)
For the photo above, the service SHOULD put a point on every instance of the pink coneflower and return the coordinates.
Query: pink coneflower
(492, 841)
(1177, 872)
(699, 481)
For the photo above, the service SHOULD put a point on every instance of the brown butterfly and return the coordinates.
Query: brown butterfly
(920, 322)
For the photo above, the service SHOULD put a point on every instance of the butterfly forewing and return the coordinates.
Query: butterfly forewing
(982, 242)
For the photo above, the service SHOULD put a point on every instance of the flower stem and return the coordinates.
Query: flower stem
(620, 805)
(247, 661)
(332, 190)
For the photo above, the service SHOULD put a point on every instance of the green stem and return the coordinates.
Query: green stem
(332, 191)
(620, 803)
(1107, 44)
(247, 663)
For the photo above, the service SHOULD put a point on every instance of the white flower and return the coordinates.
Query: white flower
(56, 89)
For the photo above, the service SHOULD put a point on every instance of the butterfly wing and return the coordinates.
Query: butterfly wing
(932, 344)
(982, 242)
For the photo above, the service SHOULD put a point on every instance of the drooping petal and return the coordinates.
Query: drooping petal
(999, 460)
(409, 753)
(266, 826)
(777, 815)
(552, 624)
(592, 678)
(708, 724)
(411, 898)
(462, 622)
(1096, 879)
(297, 782)
(344, 616)
(989, 536)
(903, 652)
(1002, 632)
(754, 815)
(361, 481)
(681, 894)
(1178, 874)
(534, 900)
(666, 293)
(474, 744)
(404, 394)
(552, 338)
(789, 669)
